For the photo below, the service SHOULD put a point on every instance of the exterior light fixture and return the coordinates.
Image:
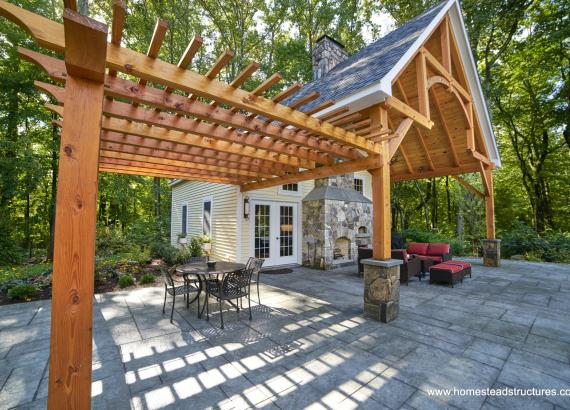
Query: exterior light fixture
(246, 208)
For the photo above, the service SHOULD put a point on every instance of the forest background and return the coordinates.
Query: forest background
(523, 52)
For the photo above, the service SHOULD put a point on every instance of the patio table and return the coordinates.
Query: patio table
(203, 272)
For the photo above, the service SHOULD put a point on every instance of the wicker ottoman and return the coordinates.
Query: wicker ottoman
(447, 273)
(465, 266)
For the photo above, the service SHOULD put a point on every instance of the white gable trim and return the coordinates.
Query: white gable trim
(376, 93)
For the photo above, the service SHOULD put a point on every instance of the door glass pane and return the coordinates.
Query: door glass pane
(262, 231)
(286, 230)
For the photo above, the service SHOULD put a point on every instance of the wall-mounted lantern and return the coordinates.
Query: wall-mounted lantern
(246, 208)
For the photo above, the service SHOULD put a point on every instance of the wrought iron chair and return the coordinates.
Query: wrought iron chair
(256, 265)
(233, 286)
(173, 288)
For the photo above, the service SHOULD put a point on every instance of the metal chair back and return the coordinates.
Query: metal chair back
(198, 259)
(167, 275)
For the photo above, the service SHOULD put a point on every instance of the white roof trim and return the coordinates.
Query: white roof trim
(375, 93)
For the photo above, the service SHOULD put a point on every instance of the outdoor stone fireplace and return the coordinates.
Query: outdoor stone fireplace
(336, 220)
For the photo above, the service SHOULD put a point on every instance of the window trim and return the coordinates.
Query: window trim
(182, 205)
(282, 191)
(204, 200)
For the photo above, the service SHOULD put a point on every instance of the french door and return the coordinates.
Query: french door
(274, 232)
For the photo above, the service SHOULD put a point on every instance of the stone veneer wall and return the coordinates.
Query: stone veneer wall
(326, 220)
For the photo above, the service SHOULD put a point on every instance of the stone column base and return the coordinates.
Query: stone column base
(382, 289)
(491, 252)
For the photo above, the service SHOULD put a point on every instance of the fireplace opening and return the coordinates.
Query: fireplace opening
(362, 229)
(342, 250)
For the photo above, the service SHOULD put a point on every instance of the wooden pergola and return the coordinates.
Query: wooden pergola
(132, 113)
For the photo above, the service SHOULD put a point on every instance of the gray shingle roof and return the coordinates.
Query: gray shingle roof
(370, 64)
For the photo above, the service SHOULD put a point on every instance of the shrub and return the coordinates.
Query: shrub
(23, 292)
(147, 278)
(522, 240)
(125, 281)
(195, 247)
(558, 249)
(112, 241)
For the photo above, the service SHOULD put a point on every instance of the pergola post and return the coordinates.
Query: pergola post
(381, 273)
(491, 245)
(74, 252)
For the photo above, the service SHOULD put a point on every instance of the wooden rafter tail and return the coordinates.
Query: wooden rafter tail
(188, 55)
(156, 41)
(304, 100)
(321, 172)
(245, 74)
(286, 93)
(346, 119)
(125, 89)
(320, 107)
(267, 84)
(216, 68)
(359, 124)
(118, 24)
(333, 114)
(468, 186)
(58, 93)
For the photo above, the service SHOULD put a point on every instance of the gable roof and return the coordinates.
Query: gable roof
(365, 78)
(370, 64)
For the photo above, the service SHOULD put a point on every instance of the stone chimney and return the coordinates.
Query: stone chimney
(326, 54)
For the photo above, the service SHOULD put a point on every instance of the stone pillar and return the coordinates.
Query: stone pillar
(491, 252)
(382, 289)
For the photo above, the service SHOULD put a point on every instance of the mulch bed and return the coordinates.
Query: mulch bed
(109, 284)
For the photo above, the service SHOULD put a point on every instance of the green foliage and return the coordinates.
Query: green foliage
(11, 276)
(126, 281)
(23, 292)
(147, 278)
(458, 246)
(195, 246)
(523, 240)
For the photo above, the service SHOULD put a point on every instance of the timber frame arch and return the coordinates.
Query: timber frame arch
(173, 122)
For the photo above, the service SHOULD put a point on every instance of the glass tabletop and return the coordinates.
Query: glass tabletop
(203, 269)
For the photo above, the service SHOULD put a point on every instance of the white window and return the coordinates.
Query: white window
(290, 187)
(207, 217)
(184, 216)
(359, 185)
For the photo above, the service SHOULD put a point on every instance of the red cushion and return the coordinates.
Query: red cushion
(435, 259)
(446, 267)
(459, 263)
(418, 248)
(437, 249)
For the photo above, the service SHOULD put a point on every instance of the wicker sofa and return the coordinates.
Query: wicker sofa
(437, 252)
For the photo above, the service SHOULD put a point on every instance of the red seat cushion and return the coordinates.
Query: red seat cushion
(435, 259)
(418, 248)
(435, 249)
(459, 263)
(446, 267)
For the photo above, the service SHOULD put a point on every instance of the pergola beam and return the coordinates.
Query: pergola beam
(321, 172)
(169, 175)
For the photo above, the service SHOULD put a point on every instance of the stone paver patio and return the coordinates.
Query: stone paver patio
(309, 346)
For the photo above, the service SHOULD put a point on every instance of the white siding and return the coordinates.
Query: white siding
(224, 223)
(367, 182)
